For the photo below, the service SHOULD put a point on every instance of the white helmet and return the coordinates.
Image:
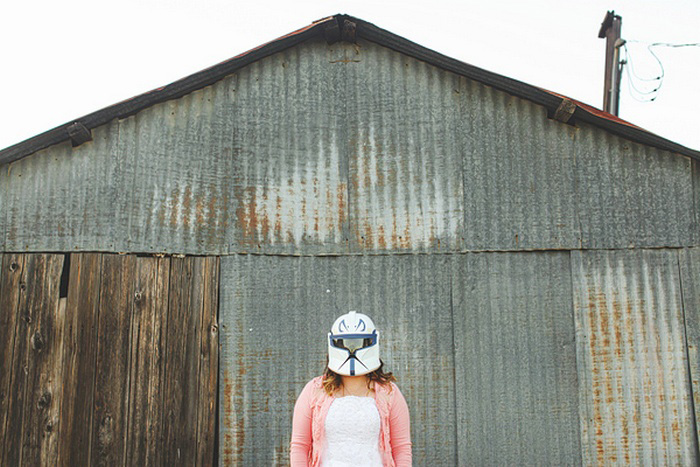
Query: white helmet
(353, 345)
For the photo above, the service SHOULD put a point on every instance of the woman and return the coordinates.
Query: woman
(354, 414)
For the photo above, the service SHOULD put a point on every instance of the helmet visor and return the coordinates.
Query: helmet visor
(354, 342)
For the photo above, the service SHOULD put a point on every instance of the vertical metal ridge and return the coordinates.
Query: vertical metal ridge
(631, 351)
(404, 295)
(404, 156)
(290, 189)
(632, 195)
(54, 198)
(518, 173)
(695, 166)
(180, 173)
(689, 264)
(512, 311)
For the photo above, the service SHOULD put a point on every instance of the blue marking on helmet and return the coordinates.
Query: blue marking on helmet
(352, 367)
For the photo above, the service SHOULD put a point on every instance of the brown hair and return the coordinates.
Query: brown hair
(332, 381)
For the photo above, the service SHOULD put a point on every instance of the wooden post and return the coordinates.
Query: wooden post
(610, 29)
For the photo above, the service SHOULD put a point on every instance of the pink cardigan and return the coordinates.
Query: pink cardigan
(308, 434)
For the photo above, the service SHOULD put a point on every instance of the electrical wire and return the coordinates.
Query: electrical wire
(644, 95)
(636, 93)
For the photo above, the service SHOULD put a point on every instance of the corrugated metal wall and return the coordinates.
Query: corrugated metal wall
(636, 404)
(516, 377)
(276, 310)
(529, 358)
(632, 195)
(347, 149)
(583, 352)
(690, 277)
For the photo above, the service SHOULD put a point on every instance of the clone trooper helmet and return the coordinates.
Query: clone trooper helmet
(353, 345)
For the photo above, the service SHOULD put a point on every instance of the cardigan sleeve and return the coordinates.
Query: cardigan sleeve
(300, 446)
(400, 429)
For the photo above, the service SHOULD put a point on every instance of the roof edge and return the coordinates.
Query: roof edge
(365, 30)
(176, 89)
(550, 100)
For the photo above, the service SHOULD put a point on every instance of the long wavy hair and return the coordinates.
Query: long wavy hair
(333, 381)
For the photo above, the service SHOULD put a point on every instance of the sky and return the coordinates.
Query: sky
(65, 59)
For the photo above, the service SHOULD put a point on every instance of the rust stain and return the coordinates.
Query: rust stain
(625, 437)
(224, 203)
(405, 241)
(213, 202)
(342, 208)
(617, 320)
(394, 229)
(380, 173)
(199, 207)
(676, 430)
(174, 205)
(264, 221)
(257, 223)
(381, 237)
(630, 332)
(595, 380)
(604, 352)
(187, 206)
(367, 240)
(278, 219)
(304, 217)
(246, 214)
(228, 418)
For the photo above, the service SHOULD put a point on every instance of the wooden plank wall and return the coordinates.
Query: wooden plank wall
(121, 371)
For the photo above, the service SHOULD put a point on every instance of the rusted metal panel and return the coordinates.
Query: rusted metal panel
(696, 198)
(519, 177)
(516, 380)
(346, 148)
(630, 195)
(690, 279)
(274, 316)
(404, 151)
(636, 405)
(178, 168)
(64, 198)
(288, 139)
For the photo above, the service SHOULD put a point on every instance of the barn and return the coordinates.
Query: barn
(171, 264)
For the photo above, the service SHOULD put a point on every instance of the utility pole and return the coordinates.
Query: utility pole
(610, 29)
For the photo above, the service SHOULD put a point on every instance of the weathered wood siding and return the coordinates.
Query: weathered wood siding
(121, 371)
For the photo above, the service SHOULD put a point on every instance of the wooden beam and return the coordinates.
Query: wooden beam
(79, 134)
(564, 111)
(331, 32)
(348, 33)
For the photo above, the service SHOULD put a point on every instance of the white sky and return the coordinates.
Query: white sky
(64, 59)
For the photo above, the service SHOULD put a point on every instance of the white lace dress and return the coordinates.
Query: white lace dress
(352, 433)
